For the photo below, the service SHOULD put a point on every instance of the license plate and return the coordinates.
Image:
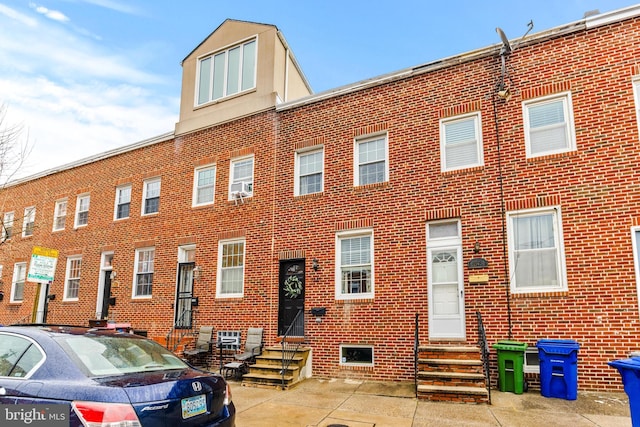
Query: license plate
(192, 406)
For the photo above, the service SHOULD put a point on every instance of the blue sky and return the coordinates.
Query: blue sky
(87, 76)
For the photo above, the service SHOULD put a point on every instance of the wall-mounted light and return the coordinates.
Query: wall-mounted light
(1, 295)
(197, 272)
(113, 275)
(476, 247)
(314, 264)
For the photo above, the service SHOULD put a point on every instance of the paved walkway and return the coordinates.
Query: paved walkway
(340, 403)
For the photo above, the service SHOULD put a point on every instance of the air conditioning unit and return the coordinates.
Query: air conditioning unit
(240, 190)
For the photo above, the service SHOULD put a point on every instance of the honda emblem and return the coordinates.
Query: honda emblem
(196, 386)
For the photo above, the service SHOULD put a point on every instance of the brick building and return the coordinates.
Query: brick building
(500, 181)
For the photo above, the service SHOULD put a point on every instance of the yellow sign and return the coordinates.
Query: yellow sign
(51, 253)
(478, 278)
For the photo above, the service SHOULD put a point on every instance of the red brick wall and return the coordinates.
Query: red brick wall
(595, 187)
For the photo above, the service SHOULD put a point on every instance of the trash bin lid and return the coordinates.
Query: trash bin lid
(510, 345)
(632, 363)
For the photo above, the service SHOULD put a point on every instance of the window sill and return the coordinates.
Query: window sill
(463, 171)
(366, 187)
(150, 215)
(355, 301)
(539, 294)
(309, 196)
(552, 156)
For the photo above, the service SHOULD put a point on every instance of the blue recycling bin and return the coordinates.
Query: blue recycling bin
(630, 371)
(558, 368)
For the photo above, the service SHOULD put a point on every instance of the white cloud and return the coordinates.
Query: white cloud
(16, 16)
(51, 14)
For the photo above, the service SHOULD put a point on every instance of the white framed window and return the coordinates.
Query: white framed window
(7, 226)
(636, 97)
(231, 255)
(17, 283)
(143, 272)
(371, 160)
(461, 142)
(635, 241)
(29, 221)
(204, 185)
(536, 251)
(151, 196)
(72, 278)
(122, 207)
(548, 125)
(531, 361)
(60, 215)
(356, 355)
(354, 261)
(241, 178)
(82, 210)
(309, 172)
(227, 72)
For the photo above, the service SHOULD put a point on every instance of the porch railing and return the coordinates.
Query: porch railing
(183, 326)
(484, 349)
(289, 349)
(416, 347)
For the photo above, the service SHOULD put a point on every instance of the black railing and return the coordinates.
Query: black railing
(178, 330)
(484, 349)
(290, 349)
(416, 347)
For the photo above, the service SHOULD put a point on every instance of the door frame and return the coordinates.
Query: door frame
(300, 299)
(186, 256)
(104, 270)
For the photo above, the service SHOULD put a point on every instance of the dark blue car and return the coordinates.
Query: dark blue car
(107, 378)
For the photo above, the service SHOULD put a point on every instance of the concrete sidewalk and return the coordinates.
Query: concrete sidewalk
(340, 403)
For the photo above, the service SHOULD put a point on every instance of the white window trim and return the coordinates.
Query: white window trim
(145, 184)
(78, 212)
(636, 262)
(477, 121)
(636, 98)
(25, 221)
(568, 109)
(529, 368)
(221, 243)
(231, 175)
(300, 153)
(338, 264)
(135, 273)
(117, 199)
(356, 162)
(4, 224)
(344, 363)
(14, 281)
(194, 202)
(56, 216)
(562, 272)
(67, 277)
(211, 55)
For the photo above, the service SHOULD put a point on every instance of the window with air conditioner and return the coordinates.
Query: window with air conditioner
(241, 178)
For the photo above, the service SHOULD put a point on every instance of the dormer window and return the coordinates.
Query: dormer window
(227, 73)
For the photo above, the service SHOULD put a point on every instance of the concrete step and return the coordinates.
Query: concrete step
(441, 393)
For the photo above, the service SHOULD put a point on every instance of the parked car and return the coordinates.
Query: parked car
(108, 378)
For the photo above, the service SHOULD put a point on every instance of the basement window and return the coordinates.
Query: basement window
(356, 355)
(531, 361)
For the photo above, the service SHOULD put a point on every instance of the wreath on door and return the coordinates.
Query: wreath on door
(292, 287)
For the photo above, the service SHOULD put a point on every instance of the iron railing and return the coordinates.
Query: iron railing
(416, 347)
(290, 349)
(484, 349)
(178, 331)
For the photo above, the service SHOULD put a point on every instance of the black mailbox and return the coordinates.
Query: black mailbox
(194, 301)
(51, 297)
(319, 311)
(112, 301)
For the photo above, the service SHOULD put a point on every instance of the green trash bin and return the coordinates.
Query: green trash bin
(511, 365)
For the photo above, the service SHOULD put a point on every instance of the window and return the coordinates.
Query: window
(229, 340)
(231, 268)
(549, 125)
(227, 73)
(7, 226)
(204, 184)
(241, 182)
(536, 255)
(19, 358)
(151, 197)
(143, 272)
(461, 142)
(123, 202)
(60, 215)
(531, 360)
(28, 222)
(17, 284)
(371, 165)
(82, 210)
(357, 355)
(72, 280)
(354, 258)
(309, 172)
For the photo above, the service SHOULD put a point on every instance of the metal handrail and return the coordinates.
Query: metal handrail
(296, 328)
(416, 346)
(178, 331)
(484, 349)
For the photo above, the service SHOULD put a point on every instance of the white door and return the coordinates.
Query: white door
(445, 281)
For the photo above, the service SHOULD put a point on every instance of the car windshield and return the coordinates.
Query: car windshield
(104, 355)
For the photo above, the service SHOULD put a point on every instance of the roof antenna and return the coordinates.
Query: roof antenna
(503, 91)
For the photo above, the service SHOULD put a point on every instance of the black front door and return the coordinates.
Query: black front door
(106, 295)
(184, 289)
(291, 295)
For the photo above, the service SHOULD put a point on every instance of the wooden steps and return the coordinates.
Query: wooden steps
(267, 371)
